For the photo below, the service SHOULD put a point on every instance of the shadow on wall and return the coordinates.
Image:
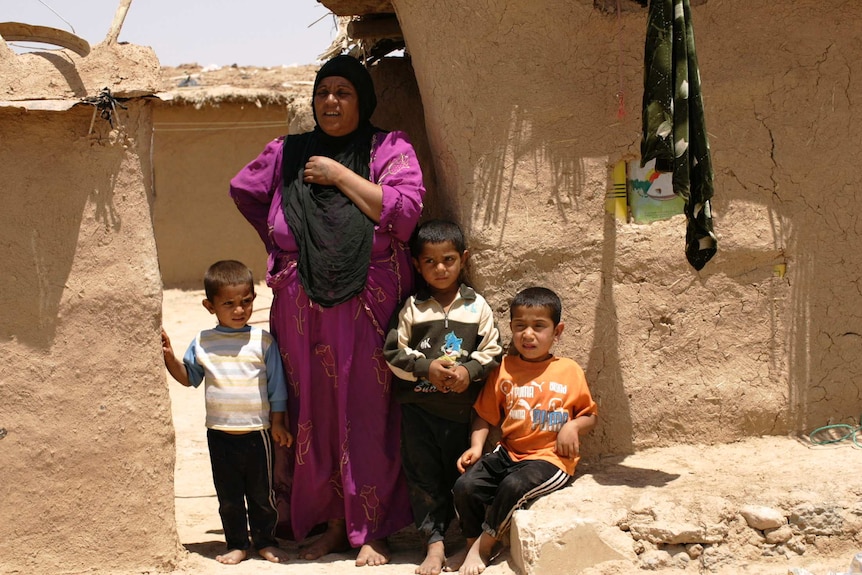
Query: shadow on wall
(40, 227)
(539, 180)
(399, 107)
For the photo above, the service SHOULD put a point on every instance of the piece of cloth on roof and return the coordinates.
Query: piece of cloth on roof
(674, 128)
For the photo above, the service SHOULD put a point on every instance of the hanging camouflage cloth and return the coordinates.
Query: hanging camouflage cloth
(674, 130)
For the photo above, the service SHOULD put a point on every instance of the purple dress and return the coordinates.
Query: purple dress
(345, 462)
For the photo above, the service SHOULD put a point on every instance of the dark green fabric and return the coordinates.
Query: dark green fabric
(674, 129)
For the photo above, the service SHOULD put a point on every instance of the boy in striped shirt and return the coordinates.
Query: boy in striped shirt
(246, 397)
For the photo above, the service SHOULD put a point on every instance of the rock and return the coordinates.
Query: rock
(782, 534)
(677, 533)
(694, 550)
(817, 519)
(656, 559)
(760, 517)
(797, 546)
(562, 545)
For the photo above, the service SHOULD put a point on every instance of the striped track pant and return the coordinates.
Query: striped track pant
(495, 487)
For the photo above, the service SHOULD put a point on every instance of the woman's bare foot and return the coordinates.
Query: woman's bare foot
(333, 540)
(232, 557)
(274, 554)
(435, 560)
(373, 553)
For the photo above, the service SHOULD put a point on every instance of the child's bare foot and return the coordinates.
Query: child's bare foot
(232, 557)
(478, 556)
(373, 553)
(435, 560)
(333, 540)
(454, 562)
(274, 554)
(473, 563)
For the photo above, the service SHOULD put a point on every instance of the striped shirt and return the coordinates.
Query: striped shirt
(243, 375)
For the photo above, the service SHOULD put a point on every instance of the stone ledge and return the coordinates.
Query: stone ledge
(762, 499)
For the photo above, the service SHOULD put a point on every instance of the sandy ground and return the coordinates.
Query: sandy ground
(764, 471)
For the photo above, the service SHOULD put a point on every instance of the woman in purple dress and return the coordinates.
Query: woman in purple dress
(335, 208)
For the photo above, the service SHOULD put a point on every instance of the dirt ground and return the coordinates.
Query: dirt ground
(760, 471)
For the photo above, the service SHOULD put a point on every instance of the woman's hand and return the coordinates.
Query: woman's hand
(323, 171)
(367, 195)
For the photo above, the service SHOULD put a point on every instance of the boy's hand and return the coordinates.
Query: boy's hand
(167, 349)
(569, 437)
(468, 458)
(440, 375)
(568, 441)
(175, 366)
(280, 434)
(447, 377)
(460, 379)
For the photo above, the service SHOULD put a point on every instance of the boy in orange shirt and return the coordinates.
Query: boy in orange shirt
(542, 404)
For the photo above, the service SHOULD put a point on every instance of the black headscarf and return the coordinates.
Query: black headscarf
(333, 235)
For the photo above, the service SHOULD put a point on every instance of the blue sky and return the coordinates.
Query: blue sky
(219, 32)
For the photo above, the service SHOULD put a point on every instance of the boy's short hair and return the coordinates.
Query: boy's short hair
(436, 232)
(538, 297)
(226, 273)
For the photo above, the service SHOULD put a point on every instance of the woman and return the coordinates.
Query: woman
(334, 208)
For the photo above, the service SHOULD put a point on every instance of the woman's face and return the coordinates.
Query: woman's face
(336, 105)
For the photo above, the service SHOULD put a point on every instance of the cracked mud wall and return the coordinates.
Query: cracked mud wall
(87, 453)
(521, 107)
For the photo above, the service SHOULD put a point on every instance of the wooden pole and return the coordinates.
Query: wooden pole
(117, 24)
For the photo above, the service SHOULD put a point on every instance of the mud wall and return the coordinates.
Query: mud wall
(527, 109)
(197, 150)
(87, 443)
(399, 107)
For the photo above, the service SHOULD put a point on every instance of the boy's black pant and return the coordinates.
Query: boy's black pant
(242, 470)
(430, 448)
(495, 487)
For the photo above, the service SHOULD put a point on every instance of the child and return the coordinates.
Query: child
(542, 404)
(441, 351)
(246, 398)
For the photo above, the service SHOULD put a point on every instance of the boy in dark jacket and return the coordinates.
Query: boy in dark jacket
(442, 349)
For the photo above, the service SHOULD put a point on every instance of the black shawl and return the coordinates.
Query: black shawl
(333, 235)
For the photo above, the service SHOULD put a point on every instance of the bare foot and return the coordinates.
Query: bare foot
(473, 563)
(274, 554)
(435, 559)
(373, 553)
(333, 540)
(478, 556)
(232, 557)
(454, 562)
